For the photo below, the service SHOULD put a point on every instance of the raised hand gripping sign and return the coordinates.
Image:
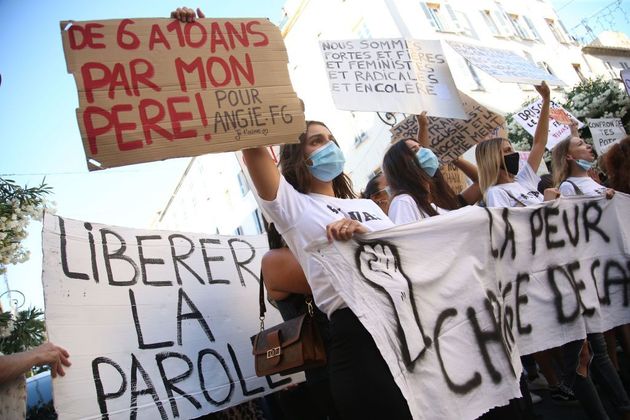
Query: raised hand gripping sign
(153, 89)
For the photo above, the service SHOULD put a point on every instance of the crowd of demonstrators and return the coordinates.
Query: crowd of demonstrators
(309, 198)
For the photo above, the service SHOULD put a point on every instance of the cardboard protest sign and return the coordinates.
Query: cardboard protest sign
(153, 89)
(453, 300)
(605, 132)
(450, 138)
(558, 124)
(158, 323)
(504, 65)
(391, 75)
(455, 178)
(625, 76)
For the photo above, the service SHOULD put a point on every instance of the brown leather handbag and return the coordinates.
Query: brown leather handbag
(289, 347)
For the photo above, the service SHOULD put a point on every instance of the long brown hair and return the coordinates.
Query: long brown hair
(617, 164)
(405, 176)
(295, 171)
(443, 195)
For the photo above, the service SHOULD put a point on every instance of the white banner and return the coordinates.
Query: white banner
(504, 65)
(605, 132)
(452, 300)
(558, 127)
(391, 75)
(157, 323)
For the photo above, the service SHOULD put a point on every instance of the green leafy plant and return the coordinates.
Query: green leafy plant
(29, 330)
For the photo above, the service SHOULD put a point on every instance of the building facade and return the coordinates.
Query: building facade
(213, 196)
(531, 29)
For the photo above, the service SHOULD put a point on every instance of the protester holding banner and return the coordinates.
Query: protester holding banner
(571, 160)
(312, 200)
(410, 184)
(501, 181)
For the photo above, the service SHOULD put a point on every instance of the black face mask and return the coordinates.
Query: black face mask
(511, 163)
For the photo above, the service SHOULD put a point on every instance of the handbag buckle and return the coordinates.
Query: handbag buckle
(274, 352)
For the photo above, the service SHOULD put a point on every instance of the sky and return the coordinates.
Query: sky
(600, 15)
(39, 136)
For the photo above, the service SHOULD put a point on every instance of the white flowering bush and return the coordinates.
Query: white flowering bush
(593, 98)
(18, 206)
(599, 98)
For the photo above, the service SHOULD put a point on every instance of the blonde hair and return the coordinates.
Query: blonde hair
(560, 167)
(489, 157)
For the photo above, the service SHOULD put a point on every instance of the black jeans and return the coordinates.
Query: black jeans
(362, 384)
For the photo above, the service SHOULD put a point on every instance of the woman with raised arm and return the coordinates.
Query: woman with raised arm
(312, 199)
(444, 196)
(502, 183)
(418, 188)
(410, 185)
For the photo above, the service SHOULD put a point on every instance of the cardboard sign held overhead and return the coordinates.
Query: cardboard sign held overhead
(504, 65)
(153, 89)
(449, 138)
(391, 75)
(560, 119)
(606, 132)
(455, 178)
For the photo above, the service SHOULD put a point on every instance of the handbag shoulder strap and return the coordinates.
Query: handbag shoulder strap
(577, 189)
(515, 199)
(261, 302)
(308, 299)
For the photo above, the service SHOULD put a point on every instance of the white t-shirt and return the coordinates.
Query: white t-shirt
(522, 192)
(403, 209)
(587, 186)
(302, 218)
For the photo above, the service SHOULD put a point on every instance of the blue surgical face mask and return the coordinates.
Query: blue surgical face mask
(428, 161)
(327, 162)
(584, 164)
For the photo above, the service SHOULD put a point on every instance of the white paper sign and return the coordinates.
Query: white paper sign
(157, 323)
(504, 65)
(625, 76)
(528, 119)
(391, 75)
(452, 300)
(605, 132)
